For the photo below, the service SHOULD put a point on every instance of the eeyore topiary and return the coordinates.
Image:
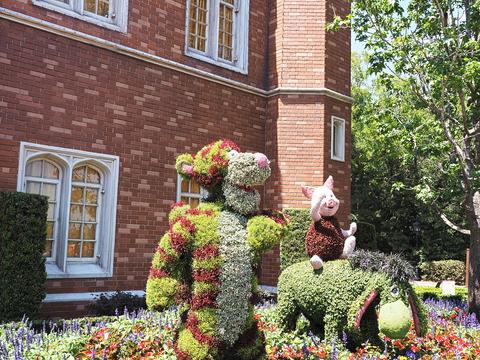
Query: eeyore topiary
(365, 296)
(205, 262)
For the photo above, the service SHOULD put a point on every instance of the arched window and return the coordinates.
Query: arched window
(82, 192)
(84, 212)
(43, 177)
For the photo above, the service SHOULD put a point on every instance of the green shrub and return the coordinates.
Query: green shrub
(116, 303)
(292, 247)
(22, 265)
(426, 292)
(444, 270)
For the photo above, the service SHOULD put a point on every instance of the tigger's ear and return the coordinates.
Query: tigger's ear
(308, 191)
(184, 165)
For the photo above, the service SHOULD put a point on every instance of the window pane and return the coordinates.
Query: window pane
(34, 168)
(194, 202)
(77, 194)
(49, 190)
(73, 249)
(50, 229)
(89, 231)
(91, 196)
(91, 213)
(185, 199)
(48, 249)
(198, 24)
(184, 185)
(88, 249)
(103, 8)
(75, 231)
(76, 212)
(194, 187)
(79, 174)
(225, 39)
(89, 5)
(50, 171)
(93, 176)
(51, 211)
(33, 187)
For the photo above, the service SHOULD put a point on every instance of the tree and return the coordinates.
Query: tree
(432, 48)
(395, 146)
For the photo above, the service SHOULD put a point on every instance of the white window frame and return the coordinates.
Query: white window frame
(338, 157)
(203, 193)
(58, 199)
(239, 41)
(67, 159)
(118, 12)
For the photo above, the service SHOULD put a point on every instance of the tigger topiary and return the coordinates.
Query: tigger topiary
(206, 262)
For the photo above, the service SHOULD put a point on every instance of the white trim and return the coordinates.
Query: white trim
(159, 61)
(75, 10)
(336, 119)
(85, 296)
(269, 289)
(62, 267)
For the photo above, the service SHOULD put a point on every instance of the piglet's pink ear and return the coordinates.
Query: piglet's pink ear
(329, 183)
(308, 191)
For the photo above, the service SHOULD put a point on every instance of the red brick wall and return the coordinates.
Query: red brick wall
(158, 28)
(58, 92)
(298, 126)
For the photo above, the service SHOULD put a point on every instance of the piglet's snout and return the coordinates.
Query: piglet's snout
(261, 160)
(331, 203)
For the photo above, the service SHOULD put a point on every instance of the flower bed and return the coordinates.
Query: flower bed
(453, 334)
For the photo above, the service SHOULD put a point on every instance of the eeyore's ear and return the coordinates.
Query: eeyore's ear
(184, 165)
(308, 191)
(329, 183)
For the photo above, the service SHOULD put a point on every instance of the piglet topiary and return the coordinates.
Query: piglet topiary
(205, 263)
(325, 239)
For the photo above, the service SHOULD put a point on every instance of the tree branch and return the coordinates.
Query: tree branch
(453, 226)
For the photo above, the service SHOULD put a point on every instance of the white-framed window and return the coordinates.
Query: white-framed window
(217, 32)
(81, 188)
(111, 14)
(190, 192)
(338, 139)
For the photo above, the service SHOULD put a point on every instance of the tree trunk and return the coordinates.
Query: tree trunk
(474, 270)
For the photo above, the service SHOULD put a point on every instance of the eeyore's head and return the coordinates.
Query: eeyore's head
(397, 306)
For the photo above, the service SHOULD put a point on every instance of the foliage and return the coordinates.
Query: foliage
(395, 146)
(331, 298)
(143, 335)
(444, 270)
(263, 232)
(106, 304)
(235, 277)
(429, 292)
(393, 265)
(205, 262)
(292, 247)
(427, 55)
(22, 264)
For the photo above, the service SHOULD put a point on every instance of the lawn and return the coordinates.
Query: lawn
(453, 334)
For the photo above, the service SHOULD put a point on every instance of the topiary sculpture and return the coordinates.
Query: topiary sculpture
(344, 294)
(325, 239)
(205, 262)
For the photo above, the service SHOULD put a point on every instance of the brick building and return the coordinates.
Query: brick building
(97, 97)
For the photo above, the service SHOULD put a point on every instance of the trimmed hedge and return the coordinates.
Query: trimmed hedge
(108, 305)
(292, 247)
(444, 270)
(427, 292)
(23, 230)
